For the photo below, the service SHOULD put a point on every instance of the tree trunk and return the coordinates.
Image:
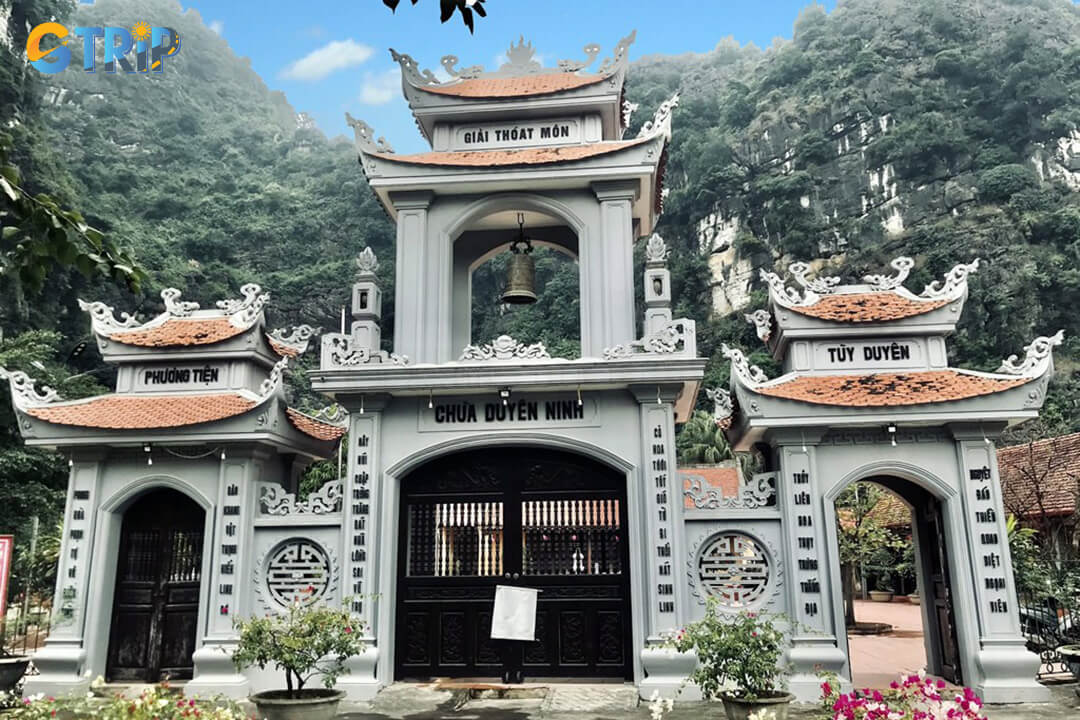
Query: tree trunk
(847, 573)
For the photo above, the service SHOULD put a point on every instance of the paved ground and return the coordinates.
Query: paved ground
(604, 702)
(877, 659)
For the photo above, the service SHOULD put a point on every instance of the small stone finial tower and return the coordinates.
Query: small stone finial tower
(657, 286)
(366, 304)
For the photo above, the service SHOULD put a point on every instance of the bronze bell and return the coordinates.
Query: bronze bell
(521, 275)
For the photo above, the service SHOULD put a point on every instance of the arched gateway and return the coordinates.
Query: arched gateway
(469, 460)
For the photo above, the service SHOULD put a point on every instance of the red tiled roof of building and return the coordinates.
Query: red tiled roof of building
(888, 389)
(181, 332)
(867, 307)
(505, 87)
(1041, 477)
(500, 158)
(315, 428)
(726, 479)
(143, 412)
(282, 349)
(890, 511)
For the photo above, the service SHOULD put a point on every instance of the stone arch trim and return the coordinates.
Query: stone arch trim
(118, 501)
(928, 481)
(514, 201)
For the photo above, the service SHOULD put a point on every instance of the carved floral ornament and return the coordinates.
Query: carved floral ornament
(296, 338)
(365, 137)
(757, 493)
(723, 406)
(762, 322)
(521, 61)
(505, 347)
(274, 382)
(656, 250)
(677, 336)
(660, 125)
(24, 392)
(1037, 358)
(366, 262)
(749, 375)
(275, 501)
(335, 415)
(952, 287)
(340, 353)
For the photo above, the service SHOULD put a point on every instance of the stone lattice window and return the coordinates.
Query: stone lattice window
(734, 568)
(298, 569)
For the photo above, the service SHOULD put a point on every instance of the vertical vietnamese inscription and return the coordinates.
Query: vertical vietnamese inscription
(658, 467)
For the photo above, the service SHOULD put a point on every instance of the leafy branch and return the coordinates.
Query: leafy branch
(447, 8)
(36, 232)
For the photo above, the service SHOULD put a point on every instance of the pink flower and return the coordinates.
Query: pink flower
(826, 688)
(348, 630)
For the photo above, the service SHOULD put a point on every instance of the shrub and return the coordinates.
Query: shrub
(737, 655)
(305, 641)
(1000, 183)
(159, 702)
(912, 697)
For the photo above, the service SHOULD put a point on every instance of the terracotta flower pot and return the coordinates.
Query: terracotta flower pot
(740, 709)
(914, 598)
(881, 596)
(313, 704)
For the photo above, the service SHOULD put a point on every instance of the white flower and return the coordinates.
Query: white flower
(763, 714)
(659, 705)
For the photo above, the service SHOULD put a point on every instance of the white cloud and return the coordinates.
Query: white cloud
(381, 88)
(218, 26)
(330, 58)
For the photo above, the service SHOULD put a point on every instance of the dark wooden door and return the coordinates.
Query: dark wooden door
(529, 517)
(156, 602)
(940, 594)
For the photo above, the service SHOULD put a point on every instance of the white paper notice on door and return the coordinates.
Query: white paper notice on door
(514, 616)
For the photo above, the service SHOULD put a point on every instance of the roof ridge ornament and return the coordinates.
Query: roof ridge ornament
(666, 340)
(365, 137)
(723, 406)
(823, 285)
(1038, 357)
(572, 66)
(520, 60)
(505, 347)
(902, 265)
(954, 285)
(297, 337)
(24, 392)
(620, 58)
(273, 383)
(449, 63)
(176, 307)
(244, 312)
(338, 352)
(367, 262)
(749, 375)
(762, 322)
(334, 414)
(103, 319)
(661, 120)
(412, 71)
(788, 297)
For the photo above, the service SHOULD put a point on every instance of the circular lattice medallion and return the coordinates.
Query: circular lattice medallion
(734, 568)
(298, 569)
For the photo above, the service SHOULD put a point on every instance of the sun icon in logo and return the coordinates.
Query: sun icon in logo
(141, 31)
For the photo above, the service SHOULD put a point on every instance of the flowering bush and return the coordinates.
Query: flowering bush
(304, 641)
(738, 655)
(156, 703)
(912, 697)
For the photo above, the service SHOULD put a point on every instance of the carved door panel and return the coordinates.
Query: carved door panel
(940, 594)
(540, 519)
(156, 601)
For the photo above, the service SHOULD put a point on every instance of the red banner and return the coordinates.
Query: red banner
(7, 552)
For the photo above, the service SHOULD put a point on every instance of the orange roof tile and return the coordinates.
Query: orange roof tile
(498, 158)
(143, 412)
(867, 307)
(315, 428)
(524, 86)
(1042, 477)
(282, 349)
(890, 511)
(726, 479)
(181, 332)
(888, 389)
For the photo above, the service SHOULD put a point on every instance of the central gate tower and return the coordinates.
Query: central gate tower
(474, 461)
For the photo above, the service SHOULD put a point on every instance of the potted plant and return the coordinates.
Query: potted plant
(739, 661)
(305, 641)
(12, 668)
(913, 597)
(882, 593)
(1071, 655)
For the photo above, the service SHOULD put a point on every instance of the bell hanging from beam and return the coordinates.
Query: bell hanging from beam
(521, 275)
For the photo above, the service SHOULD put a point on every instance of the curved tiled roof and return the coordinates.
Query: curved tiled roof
(315, 428)
(499, 158)
(180, 332)
(523, 86)
(143, 412)
(867, 307)
(1041, 477)
(282, 349)
(888, 389)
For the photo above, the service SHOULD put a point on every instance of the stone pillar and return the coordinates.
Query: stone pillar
(414, 331)
(657, 287)
(360, 528)
(658, 494)
(61, 663)
(228, 588)
(607, 271)
(814, 645)
(1004, 670)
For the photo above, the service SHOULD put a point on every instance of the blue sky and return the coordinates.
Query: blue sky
(329, 57)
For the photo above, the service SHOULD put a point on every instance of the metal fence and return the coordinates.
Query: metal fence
(1047, 624)
(25, 626)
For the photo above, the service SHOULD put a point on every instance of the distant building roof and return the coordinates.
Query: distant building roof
(1041, 477)
(180, 332)
(140, 412)
(861, 307)
(724, 478)
(888, 389)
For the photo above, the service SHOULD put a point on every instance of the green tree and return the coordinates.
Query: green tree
(701, 441)
(862, 539)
